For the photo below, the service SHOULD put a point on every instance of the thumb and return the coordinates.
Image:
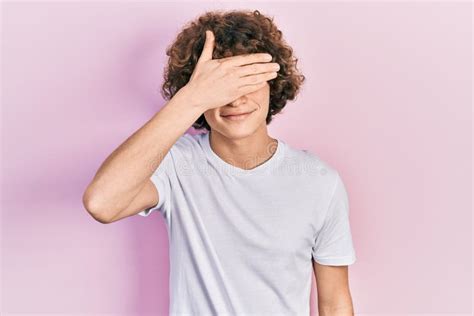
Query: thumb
(208, 48)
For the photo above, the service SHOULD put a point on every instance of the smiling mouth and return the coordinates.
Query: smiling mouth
(238, 117)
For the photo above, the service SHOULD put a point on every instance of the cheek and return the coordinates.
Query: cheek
(211, 115)
(263, 104)
(263, 111)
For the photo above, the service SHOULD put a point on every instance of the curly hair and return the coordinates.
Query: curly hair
(236, 32)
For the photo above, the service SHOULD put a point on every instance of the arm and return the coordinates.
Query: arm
(334, 298)
(120, 187)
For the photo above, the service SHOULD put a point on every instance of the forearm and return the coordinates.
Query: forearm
(339, 307)
(122, 174)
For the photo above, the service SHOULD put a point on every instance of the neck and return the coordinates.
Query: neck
(247, 152)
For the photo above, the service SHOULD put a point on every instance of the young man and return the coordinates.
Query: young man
(249, 218)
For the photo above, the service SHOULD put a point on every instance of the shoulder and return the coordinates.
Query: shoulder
(187, 148)
(319, 174)
(311, 162)
(187, 143)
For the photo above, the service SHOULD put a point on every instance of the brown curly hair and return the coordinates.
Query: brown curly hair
(236, 32)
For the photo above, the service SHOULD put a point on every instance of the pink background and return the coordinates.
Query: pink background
(387, 101)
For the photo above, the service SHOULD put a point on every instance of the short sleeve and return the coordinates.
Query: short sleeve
(161, 178)
(333, 244)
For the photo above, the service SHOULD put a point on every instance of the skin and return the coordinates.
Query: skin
(334, 297)
(244, 143)
(122, 187)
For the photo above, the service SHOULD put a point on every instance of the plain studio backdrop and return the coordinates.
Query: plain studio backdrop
(387, 102)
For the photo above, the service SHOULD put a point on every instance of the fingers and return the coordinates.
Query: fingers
(257, 79)
(251, 88)
(208, 48)
(256, 69)
(245, 59)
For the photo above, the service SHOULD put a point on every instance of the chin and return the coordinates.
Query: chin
(236, 132)
(235, 129)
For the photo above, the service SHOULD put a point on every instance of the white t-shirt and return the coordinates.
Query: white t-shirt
(242, 241)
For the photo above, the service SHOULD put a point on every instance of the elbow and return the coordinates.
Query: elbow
(95, 209)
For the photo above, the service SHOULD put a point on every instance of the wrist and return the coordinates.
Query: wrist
(188, 96)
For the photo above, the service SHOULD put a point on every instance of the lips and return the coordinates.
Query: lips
(237, 116)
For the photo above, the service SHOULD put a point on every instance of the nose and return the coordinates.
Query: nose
(239, 101)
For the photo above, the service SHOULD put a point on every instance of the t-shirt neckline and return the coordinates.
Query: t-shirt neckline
(233, 170)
